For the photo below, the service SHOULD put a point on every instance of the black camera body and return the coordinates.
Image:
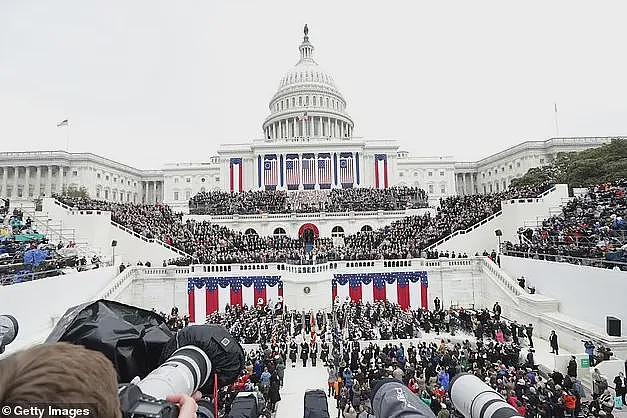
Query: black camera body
(134, 403)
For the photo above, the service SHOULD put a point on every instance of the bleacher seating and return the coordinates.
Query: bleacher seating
(27, 255)
(591, 227)
(336, 200)
(209, 243)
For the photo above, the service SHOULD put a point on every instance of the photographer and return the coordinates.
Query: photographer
(68, 375)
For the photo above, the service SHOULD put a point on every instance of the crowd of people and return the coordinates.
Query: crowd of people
(205, 242)
(360, 343)
(307, 201)
(590, 229)
(26, 254)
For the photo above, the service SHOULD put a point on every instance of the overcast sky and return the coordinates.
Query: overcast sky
(147, 82)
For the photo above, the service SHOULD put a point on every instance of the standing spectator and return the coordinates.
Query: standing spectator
(437, 304)
(529, 331)
(553, 342)
(620, 386)
(589, 346)
(273, 392)
(572, 367)
(599, 383)
(332, 378)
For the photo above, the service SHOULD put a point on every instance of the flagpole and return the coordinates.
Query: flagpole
(557, 128)
(67, 137)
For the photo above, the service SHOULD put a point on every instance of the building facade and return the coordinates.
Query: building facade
(308, 143)
(496, 172)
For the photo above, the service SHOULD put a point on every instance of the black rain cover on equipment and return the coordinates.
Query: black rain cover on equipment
(316, 404)
(226, 354)
(132, 338)
(244, 407)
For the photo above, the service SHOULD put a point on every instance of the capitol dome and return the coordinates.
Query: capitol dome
(307, 105)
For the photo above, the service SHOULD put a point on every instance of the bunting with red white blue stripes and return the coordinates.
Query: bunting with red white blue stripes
(207, 295)
(346, 170)
(381, 171)
(324, 171)
(292, 169)
(270, 172)
(408, 289)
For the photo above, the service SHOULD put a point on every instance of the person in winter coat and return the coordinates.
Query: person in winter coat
(331, 379)
(572, 367)
(273, 394)
(554, 345)
(280, 370)
(443, 379)
(313, 353)
(304, 353)
(620, 386)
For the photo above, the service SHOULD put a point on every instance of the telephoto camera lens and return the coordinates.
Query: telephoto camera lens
(474, 399)
(186, 370)
(8, 330)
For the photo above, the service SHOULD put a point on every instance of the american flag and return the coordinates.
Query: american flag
(324, 171)
(293, 174)
(346, 170)
(309, 171)
(270, 173)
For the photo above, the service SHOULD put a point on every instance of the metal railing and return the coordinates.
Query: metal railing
(37, 275)
(581, 261)
(464, 231)
(75, 211)
(150, 240)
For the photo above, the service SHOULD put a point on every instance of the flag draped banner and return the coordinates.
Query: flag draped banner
(309, 171)
(346, 170)
(408, 289)
(206, 295)
(270, 172)
(324, 171)
(381, 171)
(236, 175)
(293, 171)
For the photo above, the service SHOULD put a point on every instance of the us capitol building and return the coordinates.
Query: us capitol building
(307, 143)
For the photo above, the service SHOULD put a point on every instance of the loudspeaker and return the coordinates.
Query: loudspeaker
(498, 233)
(612, 326)
(114, 243)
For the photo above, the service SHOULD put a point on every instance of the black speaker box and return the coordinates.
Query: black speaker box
(613, 326)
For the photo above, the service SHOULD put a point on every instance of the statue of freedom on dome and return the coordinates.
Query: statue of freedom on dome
(306, 30)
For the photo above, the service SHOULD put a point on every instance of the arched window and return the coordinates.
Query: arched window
(366, 228)
(250, 231)
(315, 101)
(279, 231)
(337, 231)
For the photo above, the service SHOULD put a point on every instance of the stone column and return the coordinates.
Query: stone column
(61, 179)
(37, 192)
(49, 181)
(16, 173)
(5, 171)
(154, 190)
(26, 188)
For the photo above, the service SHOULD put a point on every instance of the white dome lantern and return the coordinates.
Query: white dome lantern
(307, 105)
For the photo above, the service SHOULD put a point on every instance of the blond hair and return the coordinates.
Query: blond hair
(60, 373)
